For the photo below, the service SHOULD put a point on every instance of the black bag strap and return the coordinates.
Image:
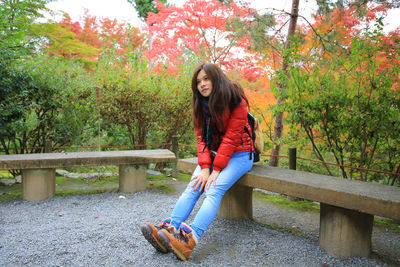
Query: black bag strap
(251, 147)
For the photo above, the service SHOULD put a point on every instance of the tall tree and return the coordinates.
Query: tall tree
(278, 128)
(346, 99)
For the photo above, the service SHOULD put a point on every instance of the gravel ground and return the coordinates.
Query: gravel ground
(103, 230)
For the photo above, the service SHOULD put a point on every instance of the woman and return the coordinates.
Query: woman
(224, 155)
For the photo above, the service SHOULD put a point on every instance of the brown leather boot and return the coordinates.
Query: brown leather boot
(181, 244)
(150, 232)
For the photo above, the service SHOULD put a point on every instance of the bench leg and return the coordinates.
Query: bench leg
(132, 178)
(38, 184)
(345, 233)
(237, 203)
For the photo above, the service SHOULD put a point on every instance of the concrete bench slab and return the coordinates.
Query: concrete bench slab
(38, 170)
(59, 160)
(347, 206)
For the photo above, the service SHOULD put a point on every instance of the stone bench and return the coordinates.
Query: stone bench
(347, 207)
(38, 170)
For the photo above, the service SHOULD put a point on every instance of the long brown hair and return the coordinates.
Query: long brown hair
(225, 93)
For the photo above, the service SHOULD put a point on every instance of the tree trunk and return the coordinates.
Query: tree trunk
(278, 128)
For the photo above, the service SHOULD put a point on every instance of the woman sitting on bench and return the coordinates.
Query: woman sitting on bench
(224, 155)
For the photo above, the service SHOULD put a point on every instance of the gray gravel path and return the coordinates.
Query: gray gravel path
(103, 230)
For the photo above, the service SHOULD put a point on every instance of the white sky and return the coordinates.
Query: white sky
(125, 12)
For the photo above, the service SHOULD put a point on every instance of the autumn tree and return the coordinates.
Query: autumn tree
(345, 96)
(105, 32)
(70, 39)
(60, 41)
(206, 30)
(281, 87)
(326, 40)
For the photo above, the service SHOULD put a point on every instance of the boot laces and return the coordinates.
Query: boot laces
(182, 235)
(166, 224)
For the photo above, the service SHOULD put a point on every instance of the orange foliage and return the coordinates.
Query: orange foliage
(104, 32)
(203, 29)
(260, 103)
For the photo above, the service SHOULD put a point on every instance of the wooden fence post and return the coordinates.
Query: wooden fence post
(175, 150)
(292, 158)
(292, 166)
(48, 146)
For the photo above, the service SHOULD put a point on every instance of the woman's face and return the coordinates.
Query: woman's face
(204, 84)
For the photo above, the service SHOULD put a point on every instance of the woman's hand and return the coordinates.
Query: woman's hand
(212, 178)
(201, 179)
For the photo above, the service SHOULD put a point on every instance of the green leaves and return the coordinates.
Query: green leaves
(349, 105)
(43, 98)
(16, 18)
(150, 103)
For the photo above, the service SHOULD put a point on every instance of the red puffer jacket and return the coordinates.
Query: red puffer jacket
(234, 140)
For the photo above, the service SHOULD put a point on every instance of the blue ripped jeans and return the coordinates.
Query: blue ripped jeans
(238, 165)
